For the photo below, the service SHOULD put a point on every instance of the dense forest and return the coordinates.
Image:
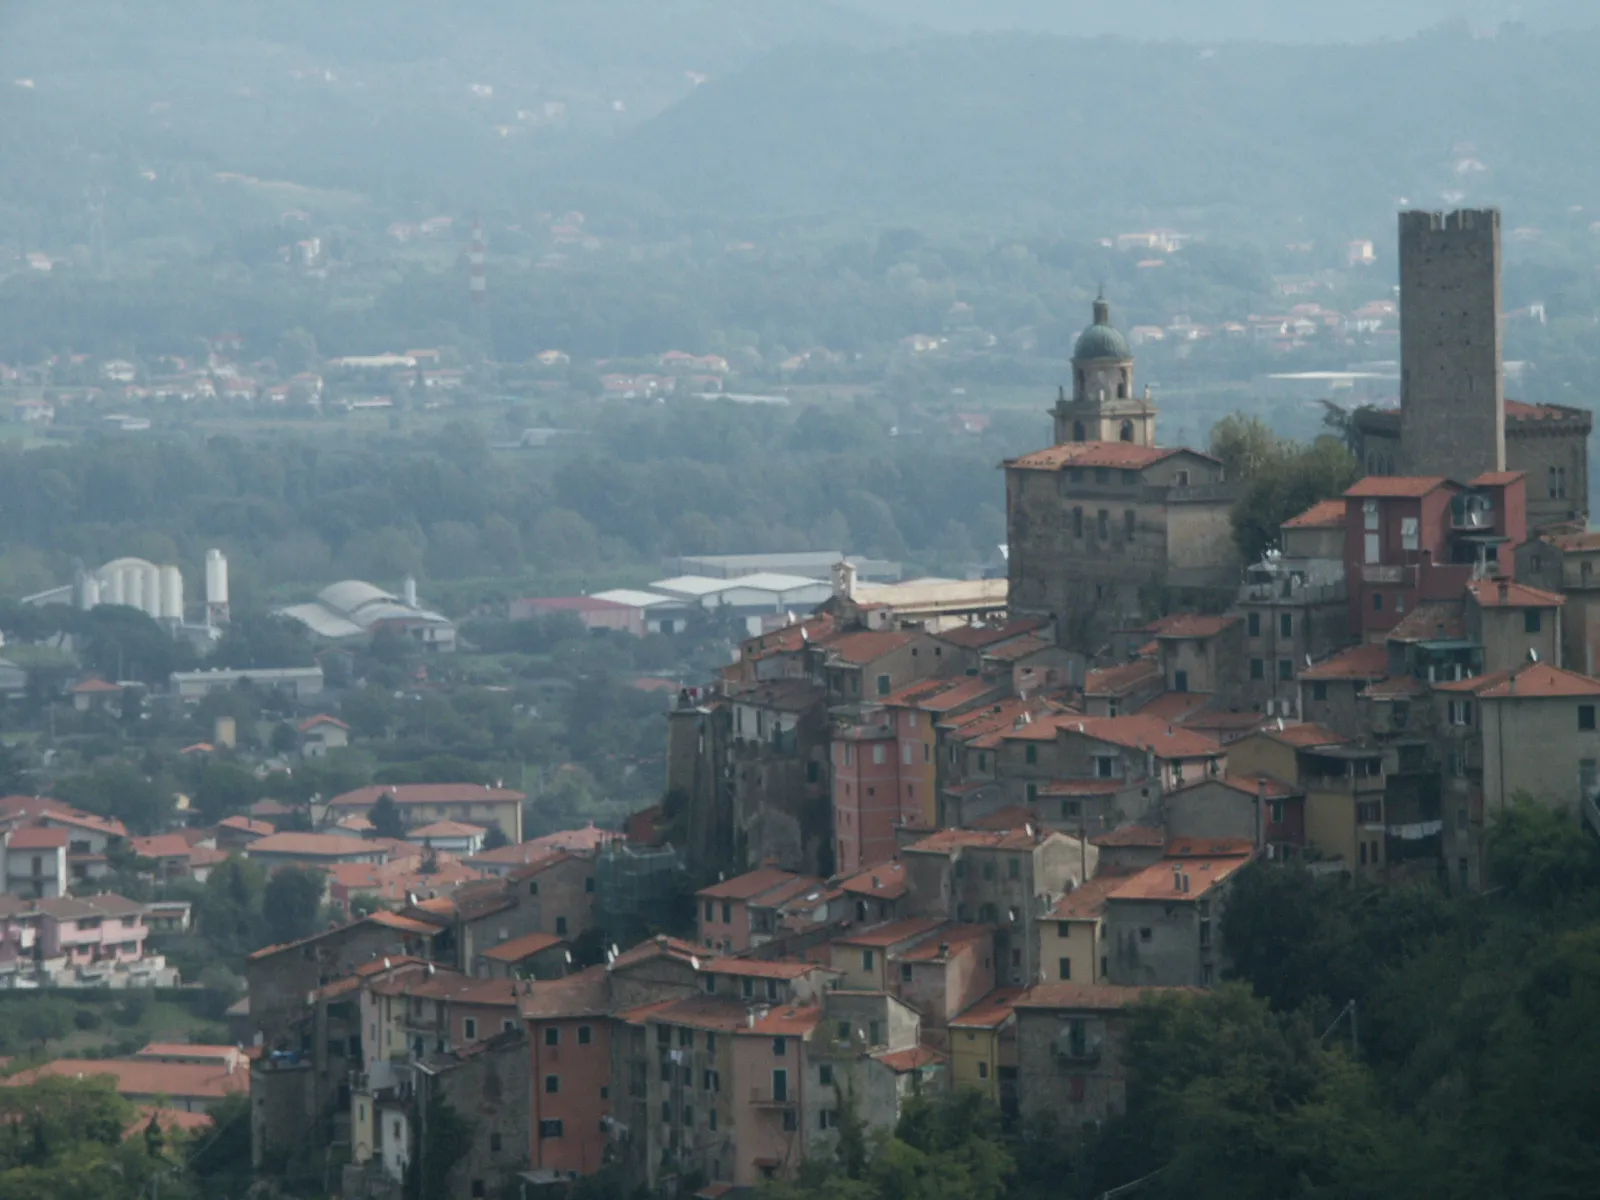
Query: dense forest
(1376, 1042)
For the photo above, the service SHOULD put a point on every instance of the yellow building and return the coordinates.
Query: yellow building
(983, 1048)
(1071, 938)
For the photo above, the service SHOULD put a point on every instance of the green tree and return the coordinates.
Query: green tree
(290, 903)
(228, 913)
(445, 1141)
(225, 790)
(385, 817)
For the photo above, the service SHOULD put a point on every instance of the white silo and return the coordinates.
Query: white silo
(150, 589)
(111, 586)
(132, 586)
(408, 590)
(171, 594)
(89, 592)
(216, 588)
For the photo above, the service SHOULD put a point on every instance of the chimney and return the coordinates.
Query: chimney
(1177, 879)
(1505, 591)
(944, 950)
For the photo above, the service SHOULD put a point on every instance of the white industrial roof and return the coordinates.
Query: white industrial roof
(634, 598)
(694, 585)
(772, 581)
(350, 594)
(322, 621)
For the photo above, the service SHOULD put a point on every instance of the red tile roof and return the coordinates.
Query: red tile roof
(1018, 648)
(1088, 900)
(1507, 593)
(1250, 785)
(760, 968)
(656, 947)
(749, 885)
(1430, 622)
(311, 723)
(992, 1011)
(786, 1022)
(1498, 478)
(519, 948)
(1539, 681)
(1324, 514)
(1160, 881)
(886, 881)
(1366, 661)
(976, 637)
(41, 839)
(698, 1012)
(162, 845)
(1139, 732)
(1122, 679)
(145, 1077)
(1131, 835)
(311, 845)
(1397, 688)
(1173, 706)
(951, 938)
(1082, 787)
(585, 994)
(892, 933)
(1518, 410)
(94, 686)
(1095, 454)
(944, 841)
(246, 825)
(902, 1062)
(1306, 733)
(1392, 486)
(940, 695)
(867, 645)
(1197, 625)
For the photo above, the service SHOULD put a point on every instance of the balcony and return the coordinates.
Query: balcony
(1377, 573)
(764, 1098)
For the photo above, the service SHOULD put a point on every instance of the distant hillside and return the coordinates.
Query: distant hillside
(1106, 134)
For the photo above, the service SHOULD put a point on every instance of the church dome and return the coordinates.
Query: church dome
(1100, 340)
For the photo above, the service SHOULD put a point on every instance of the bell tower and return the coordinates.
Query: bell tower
(1103, 406)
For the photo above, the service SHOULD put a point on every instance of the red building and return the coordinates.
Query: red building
(569, 1039)
(1410, 539)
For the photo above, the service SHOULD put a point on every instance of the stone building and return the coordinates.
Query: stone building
(1104, 525)
(1454, 419)
(1162, 925)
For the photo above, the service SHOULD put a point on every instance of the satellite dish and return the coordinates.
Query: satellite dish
(569, 958)
(1533, 655)
(386, 964)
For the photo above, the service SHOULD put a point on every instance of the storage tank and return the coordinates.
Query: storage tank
(216, 587)
(150, 589)
(89, 594)
(132, 586)
(171, 594)
(111, 593)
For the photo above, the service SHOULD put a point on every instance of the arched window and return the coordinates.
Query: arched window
(1122, 385)
(1127, 431)
(1077, 431)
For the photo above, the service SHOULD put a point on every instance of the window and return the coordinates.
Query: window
(1130, 523)
(983, 1070)
(1461, 712)
(872, 1033)
(880, 755)
(1277, 812)
(1319, 691)
(712, 1081)
(1369, 812)
(1372, 552)
(585, 1035)
(1258, 668)
(1377, 601)
(1033, 792)
(883, 685)
(1077, 522)
(1369, 516)
(561, 926)
(552, 1035)
(1064, 968)
(905, 972)
(791, 1120)
(1129, 478)
(507, 1025)
(549, 1129)
(1400, 717)
(477, 1189)
(1013, 868)
(772, 989)
(1146, 934)
(868, 960)
(1286, 669)
(1208, 974)
(780, 1084)
(988, 870)
(813, 770)
(711, 1043)
(1077, 1089)
(711, 910)
(533, 887)
(905, 753)
(552, 1084)
(469, 1029)
(686, 1037)
(1032, 755)
(1105, 767)
(983, 761)
(1530, 621)
(1285, 624)
(841, 1030)
(1363, 854)
(1409, 539)
(727, 913)
(1205, 932)
(1586, 717)
(780, 1047)
(588, 883)
(1070, 809)
(1180, 681)
(1103, 525)
(1180, 478)
(1102, 474)
(1253, 624)
(666, 1112)
(711, 1119)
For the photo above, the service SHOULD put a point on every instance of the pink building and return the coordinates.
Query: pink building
(769, 1100)
(866, 793)
(104, 928)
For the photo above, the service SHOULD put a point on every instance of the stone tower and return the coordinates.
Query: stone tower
(1452, 387)
(1103, 407)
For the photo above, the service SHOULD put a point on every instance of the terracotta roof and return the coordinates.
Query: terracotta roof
(145, 1077)
(1366, 661)
(1397, 688)
(311, 723)
(750, 885)
(1082, 787)
(1088, 900)
(1160, 881)
(446, 829)
(519, 948)
(1507, 593)
(1122, 679)
(976, 637)
(1097, 454)
(784, 695)
(1139, 732)
(1404, 486)
(950, 937)
(162, 845)
(203, 1053)
(1173, 706)
(796, 1021)
(1539, 680)
(992, 1011)
(867, 645)
(902, 1062)
(93, 686)
(33, 838)
(1430, 622)
(1198, 625)
(1209, 848)
(760, 968)
(1018, 648)
(1131, 835)
(654, 948)
(391, 920)
(1498, 478)
(1324, 514)
(206, 856)
(310, 845)
(697, 1012)
(1574, 541)
(887, 881)
(941, 695)
(1091, 996)
(585, 994)
(944, 841)
(892, 933)
(1518, 410)
(425, 793)
(35, 810)
(247, 825)
(1250, 785)
(1306, 733)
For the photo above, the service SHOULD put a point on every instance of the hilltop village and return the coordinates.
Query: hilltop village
(936, 836)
